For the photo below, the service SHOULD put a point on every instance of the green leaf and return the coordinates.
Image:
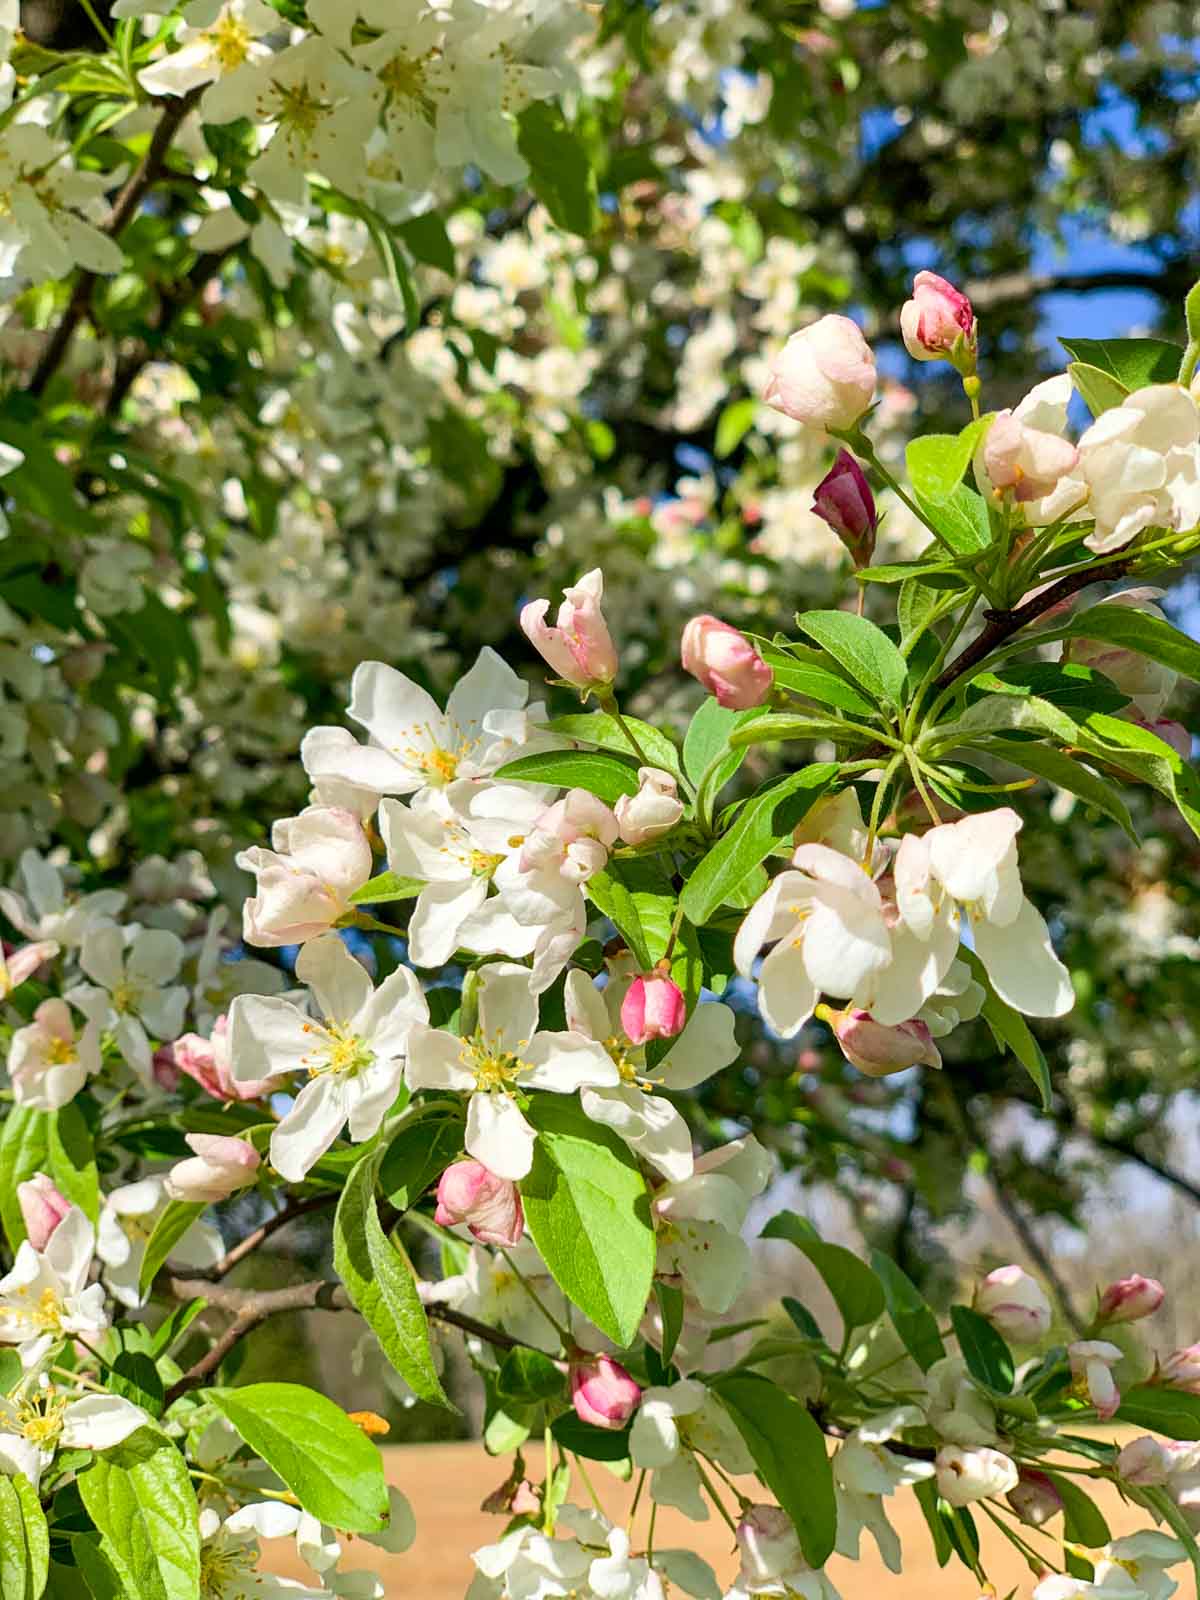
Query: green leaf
(1191, 312)
(102, 1579)
(637, 896)
(961, 519)
(815, 682)
(387, 886)
(866, 652)
(420, 1152)
(560, 173)
(135, 1377)
(1083, 1521)
(857, 1292)
(1100, 391)
(140, 1497)
(763, 822)
(173, 1222)
(71, 1158)
(428, 241)
(24, 1540)
(780, 726)
(911, 1316)
(670, 1305)
(601, 775)
(1139, 631)
(918, 605)
(24, 1150)
(594, 1444)
(527, 1377)
(160, 641)
(1169, 1411)
(379, 1280)
(987, 1356)
(1067, 772)
(996, 713)
(1132, 363)
(1008, 1027)
(597, 727)
(588, 1211)
(708, 736)
(927, 1499)
(1067, 684)
(936, 461)
(803, 1319)
(789, 1452)
(1146, 757)
(733, 425)
(327, 1462)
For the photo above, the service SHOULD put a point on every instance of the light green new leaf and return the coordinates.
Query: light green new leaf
(598, 728)
(1008, 1027)
(1130, 363)
(140, 1497)
(71, 1158)
(936, 462)
(637, 896)
(379, 1280)
(789, 1451)
(733, 425)
(780, 726)
(708, 736)
(814, 681)
(868, 655)
(24, 1540)
(962, 520)
(326, 1460)
(1146, 757)
(1100, 391)
(857, 1292)
(24, 1150)
(997, 713)
(387, 886)
(588, 1211)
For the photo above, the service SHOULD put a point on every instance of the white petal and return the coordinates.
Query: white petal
(508, 1008)
(155, 956)
(499, 1136)
(845, 942)
(395, 711)
(435, 1060)
(435, 928)
(391, 1010)
(585, 1006)
(786, 993)
(100, 1421)
(490, 685)
(1022, 965)
(267, 1036)
(705, 1046)
(564, 1062)
(102, 956)
(340, 983)
(309, 1128)
(649, 1124)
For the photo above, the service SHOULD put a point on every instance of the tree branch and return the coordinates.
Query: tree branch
(244, 1247)
(1019, 287)
(123, 209)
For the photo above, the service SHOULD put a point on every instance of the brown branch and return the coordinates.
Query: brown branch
(290, 1213)
(1129, 1152)
(124, 207)
(1019, 287)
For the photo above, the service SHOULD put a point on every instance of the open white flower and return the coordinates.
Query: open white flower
(502, 1059)
(1131, 1568)
(38, 1419)
(132, 992)
(218, 39)
(50, 1060)
(47, 1297)
(48, 210)
(670, 1424)
(647, 1121)
(44, 911)
(620, 1575)
(772, 1561)
(700, 1221)
(1139, 464)
(128, 1215)
(412, 742)
(972, 866)
(230, 1553)
(354, 1058)
(864, 1472)
(490, 1290)
(826, 921)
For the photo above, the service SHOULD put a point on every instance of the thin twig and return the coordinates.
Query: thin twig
(290, 1213)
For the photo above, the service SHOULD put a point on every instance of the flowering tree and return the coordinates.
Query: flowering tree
(284, 270)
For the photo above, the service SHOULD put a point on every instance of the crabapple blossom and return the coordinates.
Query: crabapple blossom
(128, 1215)
(956, 1409)
(824, 377)
(1035, 1498)
(937, 323)
(1092, 1361)
(305, 881)
(878, 1050)
(865, 1472)
(218, 1168)
(50, 1059)
(652, 811)
(578, 646)
(772, 1562)
(46, 1298)
(573, 836)
(353, 1058)
(966, 1475)
(1181, 1369)
(45, 912)
(1130, 1299)
(1134, 1566)
(1015, 1304)
(207, 1061)
(653, 1008)
(1024, 452)
(670, 1423)
(726, 663)
(489, 1206)
(700, 1220)
(218, 40)
(131, 991)
(38, 1419)
(844, 500)
(1139, 466)
(602, 1392)
(43, 1207)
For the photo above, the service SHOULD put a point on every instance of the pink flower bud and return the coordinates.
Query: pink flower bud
(824, 376)
(1172, 733)
(726, 663)
(1150, 1462)
(653, 1008)
(1130, 1299)
(1035, 1499)
(602, 1392)
(938, 322)
(573, 836)
(490, 1206)
(1014, 1304)
(208, 1062)
(42, 1209)
(219, 1167)
(19, 964)
(579, 647)
(1181, 1369)
(878, 1050)
(844, 500)
(1026, 460)
(166, 1073)
(652, 811)
(1092, 1361)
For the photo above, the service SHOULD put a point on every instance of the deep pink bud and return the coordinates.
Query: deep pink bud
(938, 322)
(1035, 1499)
(1130, 1299)
(42, 1209)
(726, 663)
(579, 646)
(1181, 1369)
(207, 1061)
(844, 500)
(653, 1008)
(878, 1050)
(602, 1392)
(489, 1206)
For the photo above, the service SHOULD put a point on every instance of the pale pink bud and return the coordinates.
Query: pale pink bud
(304, 884)
(573, 835)
(1092, 1361)
(652, 811)
(844, 500)
(1181, 1369)
(42, 1209)
(1147, 683)
(653, 1008)
(208, 1062)
(579, 647)
(1130, 1299)
(1035, 1498)
(1014, 1304)
(878, 1050)
(1026, 460)
(489, 1206)
(824, 376)
(1149, 1462)
(18, 965)
(967, 1475)
(938, 322)
(726, 663)
(768, 1545)
(219, 1167)
(602, 1392)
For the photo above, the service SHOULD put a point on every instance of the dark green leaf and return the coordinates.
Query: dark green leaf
(428, 241)
(135, 1376)
(420, 1152)
(71, 1154)
(594, 1444)
(857, 1292)
(911, 1316)
(782, 726)
(1144, 756)
(1169, 1411)
(670, 1305)
(560, 173)
(1083, 1520)
(597, 727)
(527, 1377)
(927, 1499)
(987, 1356)
(1067, 772)
(815, 682)
(1133, 363)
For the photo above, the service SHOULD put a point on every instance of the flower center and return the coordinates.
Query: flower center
(299, 110)
(484, 862)
(404, 77)
(494, 1066)
(221, 1564)
(124, 996)
(438, 759)
(336, 1050)
(622, 1058)
(229, 40)
(40, 1420)
(59, 1052)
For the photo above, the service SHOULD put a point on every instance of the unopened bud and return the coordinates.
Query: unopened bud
(602, 1392)
(726, 663)
(938, 324)
(489, 1206)
(1130, 1299)
(652, 811)
(1035, 1499)
(879, 1050)
(220, 1166)
(1181, 1369)
(824, 376)
(43, 1207)
(1014, 1304)
(844, 500)
(579, 646)
(653, 1008)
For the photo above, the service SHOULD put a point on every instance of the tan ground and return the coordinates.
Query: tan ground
(446, 1483)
